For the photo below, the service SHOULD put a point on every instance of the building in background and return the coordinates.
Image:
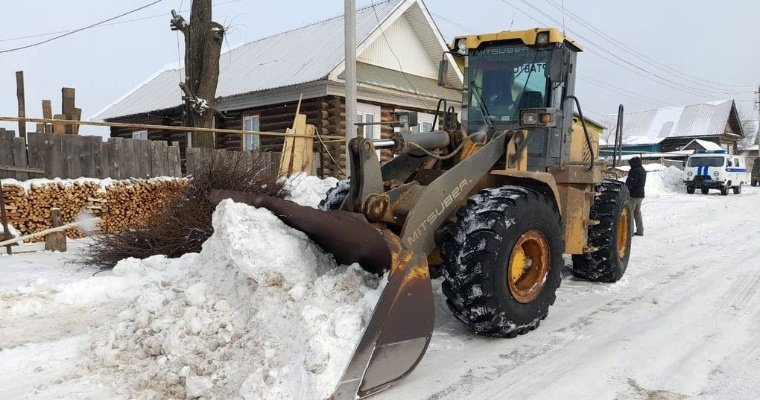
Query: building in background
(673, 128)
(399, 48)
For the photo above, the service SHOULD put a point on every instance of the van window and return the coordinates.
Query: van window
(706, 162)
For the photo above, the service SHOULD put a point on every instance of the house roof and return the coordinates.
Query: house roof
(650, 127)
(705, 144)
(311, 53)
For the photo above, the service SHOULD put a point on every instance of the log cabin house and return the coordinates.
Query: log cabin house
(399, 48)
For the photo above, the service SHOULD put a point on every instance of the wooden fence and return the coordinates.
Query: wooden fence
(50, 155)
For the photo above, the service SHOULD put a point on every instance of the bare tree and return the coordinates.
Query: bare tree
(203, 46)
(750, 133)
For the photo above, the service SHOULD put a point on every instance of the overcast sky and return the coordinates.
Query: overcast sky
(645, 54)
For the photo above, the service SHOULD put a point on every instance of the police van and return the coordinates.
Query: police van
(714, 169)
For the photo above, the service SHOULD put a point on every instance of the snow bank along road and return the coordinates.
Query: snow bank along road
(683, 323)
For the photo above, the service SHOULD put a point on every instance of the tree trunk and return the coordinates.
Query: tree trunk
(203, 46)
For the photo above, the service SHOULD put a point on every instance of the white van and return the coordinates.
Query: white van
(715, 170)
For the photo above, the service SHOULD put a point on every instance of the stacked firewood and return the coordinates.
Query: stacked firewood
(16, 206)
(132, 203)
(120, 204)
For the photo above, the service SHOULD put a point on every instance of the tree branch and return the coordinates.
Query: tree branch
(178, 23)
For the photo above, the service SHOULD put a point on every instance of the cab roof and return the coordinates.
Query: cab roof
(529, 37)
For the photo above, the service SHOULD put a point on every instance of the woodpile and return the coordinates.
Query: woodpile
(122, 205)
(132, 203)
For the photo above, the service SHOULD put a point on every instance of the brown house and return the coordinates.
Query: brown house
(398, 51)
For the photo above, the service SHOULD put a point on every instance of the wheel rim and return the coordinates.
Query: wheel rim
(622, 233)
(528, 266)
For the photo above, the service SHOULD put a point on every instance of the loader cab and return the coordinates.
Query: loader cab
(520, 80)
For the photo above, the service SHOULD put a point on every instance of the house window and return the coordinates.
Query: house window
(141, 135)
(367, 130)
(251, 141)
(368, 113)
(424, 122)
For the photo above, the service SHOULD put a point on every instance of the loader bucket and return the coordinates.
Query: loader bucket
(399, 331)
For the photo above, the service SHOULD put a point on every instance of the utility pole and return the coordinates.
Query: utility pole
(203, 46)
(757, 108)
(21, 103)
(350, 73)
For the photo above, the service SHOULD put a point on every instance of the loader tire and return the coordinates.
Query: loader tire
(335, 195)
(611, 237)
(503, 261)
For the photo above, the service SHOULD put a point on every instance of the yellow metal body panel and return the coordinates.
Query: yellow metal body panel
(578, 146)
(527, 37)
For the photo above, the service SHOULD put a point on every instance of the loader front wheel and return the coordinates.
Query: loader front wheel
(335, 196)
(610, 239)
(503, 261)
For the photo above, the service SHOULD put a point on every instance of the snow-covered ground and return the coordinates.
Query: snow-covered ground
(261, 313)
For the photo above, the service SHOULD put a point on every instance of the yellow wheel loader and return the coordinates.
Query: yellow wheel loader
(491, 204)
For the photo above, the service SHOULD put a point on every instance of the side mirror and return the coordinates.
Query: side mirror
(557, 66)
(401, 118)
(443, 69)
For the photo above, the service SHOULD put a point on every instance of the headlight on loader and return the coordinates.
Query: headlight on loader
(529, 118)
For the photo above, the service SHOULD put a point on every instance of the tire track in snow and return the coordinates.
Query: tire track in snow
(670, 270)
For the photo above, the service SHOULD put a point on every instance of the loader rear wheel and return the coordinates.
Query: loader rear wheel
(503, 261)
(611, 237)
(335, 196)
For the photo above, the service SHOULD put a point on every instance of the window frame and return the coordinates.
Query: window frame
(250, 141)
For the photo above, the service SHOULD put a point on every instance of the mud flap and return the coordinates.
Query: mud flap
(399, 330)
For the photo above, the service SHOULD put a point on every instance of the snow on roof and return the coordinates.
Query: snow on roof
(654, 126)
(298, 56)
(705, 144)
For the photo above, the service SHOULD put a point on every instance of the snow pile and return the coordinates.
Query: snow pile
(103, 184)
(668, 180)
(647, 167)
(11, 230)
(308, 190)
(260, 313)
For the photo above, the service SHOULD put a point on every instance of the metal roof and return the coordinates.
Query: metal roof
(654, 126)
(302, 55)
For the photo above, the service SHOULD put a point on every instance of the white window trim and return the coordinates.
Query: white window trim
(363, 109)
(422, 118)
(140, 135)
(251, 141)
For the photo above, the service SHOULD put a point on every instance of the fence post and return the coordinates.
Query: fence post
(6, 231)
(55, 241)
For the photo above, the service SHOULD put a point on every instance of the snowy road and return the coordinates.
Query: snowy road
(683, 323)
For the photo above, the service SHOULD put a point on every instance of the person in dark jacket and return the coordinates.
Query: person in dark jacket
(637, 178)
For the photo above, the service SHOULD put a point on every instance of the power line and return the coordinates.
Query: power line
(596, 82)
(104, 25)
(80, 29)
(617, 43)
(630, 66)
